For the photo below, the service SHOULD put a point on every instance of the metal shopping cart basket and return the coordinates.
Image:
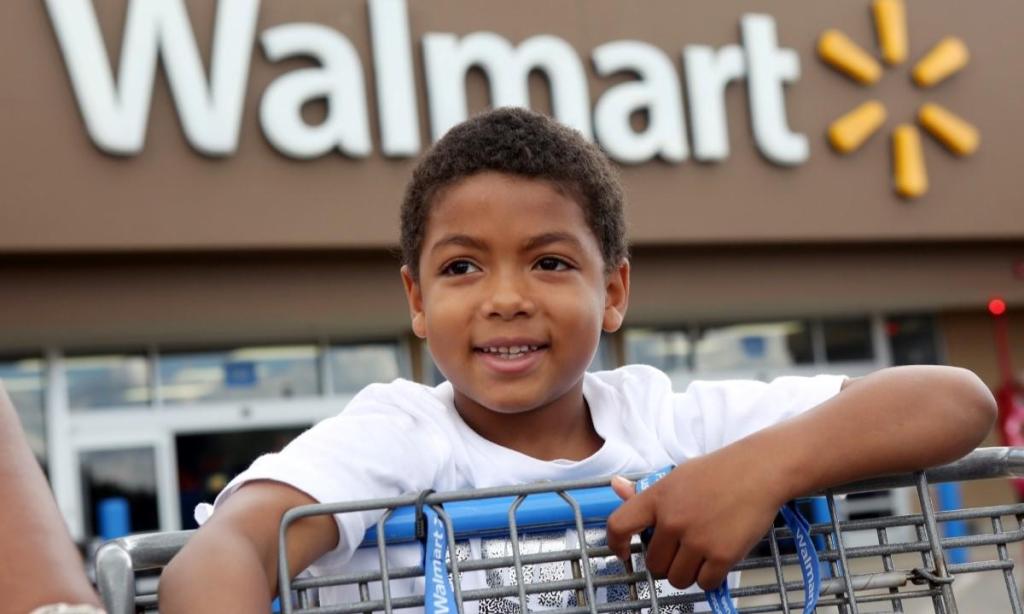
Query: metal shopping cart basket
(540, 547)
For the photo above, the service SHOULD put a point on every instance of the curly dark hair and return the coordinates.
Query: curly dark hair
(518, 142)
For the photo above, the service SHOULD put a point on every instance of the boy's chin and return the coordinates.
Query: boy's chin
(509, 398)
(506, 406)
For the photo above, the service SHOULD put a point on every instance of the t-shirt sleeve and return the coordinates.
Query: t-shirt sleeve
(714, 414)
(373, 449)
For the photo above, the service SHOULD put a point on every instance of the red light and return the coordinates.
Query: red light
(997, 306)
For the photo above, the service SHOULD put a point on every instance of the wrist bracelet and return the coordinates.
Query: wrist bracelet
(68, 608)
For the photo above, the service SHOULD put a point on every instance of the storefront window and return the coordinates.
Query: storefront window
(240, 374)
(668, 350)
(912, 340)
(355, 366)
(848, 340)
(23, 380)
(740, 347)
(126, 478)
(111, 380)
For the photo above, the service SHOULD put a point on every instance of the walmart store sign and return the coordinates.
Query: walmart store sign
(116, 109)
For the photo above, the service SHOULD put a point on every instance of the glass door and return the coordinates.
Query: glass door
(124, 483)
(208, 461)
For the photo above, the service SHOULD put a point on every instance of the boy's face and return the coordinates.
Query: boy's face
(512, 292)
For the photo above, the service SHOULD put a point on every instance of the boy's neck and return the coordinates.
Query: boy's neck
(561, 429)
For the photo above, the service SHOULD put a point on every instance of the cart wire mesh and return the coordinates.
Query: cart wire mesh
(894, 563)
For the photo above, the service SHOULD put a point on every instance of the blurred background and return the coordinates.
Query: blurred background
(198, 221)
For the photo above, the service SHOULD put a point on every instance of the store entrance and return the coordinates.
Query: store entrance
(208, 461)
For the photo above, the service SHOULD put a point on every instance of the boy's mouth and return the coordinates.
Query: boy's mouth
(511, 357)
(511, 350)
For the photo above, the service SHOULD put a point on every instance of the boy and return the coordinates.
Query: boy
(515, 261)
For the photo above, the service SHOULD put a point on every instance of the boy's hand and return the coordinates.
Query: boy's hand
(711, 510)
(706, 514)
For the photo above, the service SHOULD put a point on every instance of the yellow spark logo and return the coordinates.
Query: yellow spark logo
(946, 58)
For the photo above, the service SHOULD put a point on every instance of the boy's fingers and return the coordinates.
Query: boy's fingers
(661, 551)
(633, 516)
(623, 487)
(712, 575)
(685, 568)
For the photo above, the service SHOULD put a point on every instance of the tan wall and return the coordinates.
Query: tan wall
(82, 301)
(970, 341)
(674, 283)
(116, 302)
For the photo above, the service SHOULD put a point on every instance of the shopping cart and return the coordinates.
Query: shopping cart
(541, 547)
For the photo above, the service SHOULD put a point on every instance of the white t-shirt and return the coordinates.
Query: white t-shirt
(403, 437)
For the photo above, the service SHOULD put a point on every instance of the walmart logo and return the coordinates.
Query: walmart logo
(946, 58)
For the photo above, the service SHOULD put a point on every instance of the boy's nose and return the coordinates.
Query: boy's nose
(508, 300)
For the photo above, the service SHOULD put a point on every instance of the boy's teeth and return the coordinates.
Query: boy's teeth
(510, 350)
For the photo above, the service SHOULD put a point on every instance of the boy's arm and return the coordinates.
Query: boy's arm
(710, 511)
(230, 564)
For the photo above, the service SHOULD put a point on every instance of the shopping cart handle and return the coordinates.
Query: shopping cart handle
(547, 511)
(1014, 459)
(539, 512)
(981, 464)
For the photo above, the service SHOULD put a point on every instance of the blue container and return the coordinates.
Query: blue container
(950, 499)
(114, 517)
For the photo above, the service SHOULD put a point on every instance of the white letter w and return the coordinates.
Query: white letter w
(116, 114)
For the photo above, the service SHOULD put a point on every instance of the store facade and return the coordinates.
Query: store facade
(199, 211)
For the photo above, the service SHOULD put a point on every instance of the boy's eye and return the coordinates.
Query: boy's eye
(550, 263)
(459, 267)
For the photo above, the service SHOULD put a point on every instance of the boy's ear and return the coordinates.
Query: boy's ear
(415, 298)
(616, 297)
